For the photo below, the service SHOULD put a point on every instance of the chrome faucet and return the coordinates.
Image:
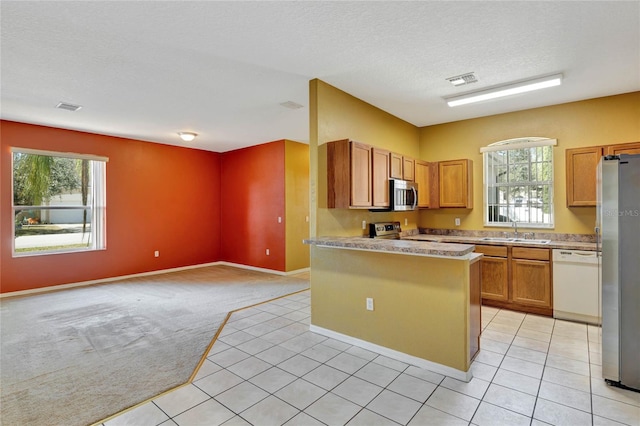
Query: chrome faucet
(514, 224)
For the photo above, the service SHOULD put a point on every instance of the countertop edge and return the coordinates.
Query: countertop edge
(406, 247)
(563, 245)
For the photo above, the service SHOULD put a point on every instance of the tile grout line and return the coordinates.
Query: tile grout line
(202, 359)
(305, 321)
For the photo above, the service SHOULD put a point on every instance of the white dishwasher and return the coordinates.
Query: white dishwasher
(576, 292)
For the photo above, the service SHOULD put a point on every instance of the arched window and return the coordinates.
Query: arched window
(518, 182)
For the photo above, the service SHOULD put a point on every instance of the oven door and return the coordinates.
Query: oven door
(404, 195)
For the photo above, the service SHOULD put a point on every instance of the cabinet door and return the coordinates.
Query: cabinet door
(395, 162)
(531, 282)
(338, 174)
(380, 177)
(426, 175)
(623, 148)
(360, 175)
(456, 183)
(408, 168)
(495, 278)
(581, 175)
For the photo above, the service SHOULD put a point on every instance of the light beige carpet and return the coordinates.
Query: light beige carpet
(77, 356)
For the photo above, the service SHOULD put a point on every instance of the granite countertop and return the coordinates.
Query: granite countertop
(555, 244)
(405, 246)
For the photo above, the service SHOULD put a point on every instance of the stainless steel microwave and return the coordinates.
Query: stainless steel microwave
(404, 195)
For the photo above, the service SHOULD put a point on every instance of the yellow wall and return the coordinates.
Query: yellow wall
(296, 165)
(601, 121)
(421, 304)
(335, 115)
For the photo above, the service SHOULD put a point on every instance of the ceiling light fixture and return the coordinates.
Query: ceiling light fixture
(187, 136)
(291, 105)
(506, 90)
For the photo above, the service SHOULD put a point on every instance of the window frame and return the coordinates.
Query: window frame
(97, 206)
(512, 145)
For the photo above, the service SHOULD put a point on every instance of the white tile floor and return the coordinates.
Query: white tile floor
(266, 368)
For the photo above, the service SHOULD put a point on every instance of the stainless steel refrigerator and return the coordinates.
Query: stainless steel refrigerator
(618, 228)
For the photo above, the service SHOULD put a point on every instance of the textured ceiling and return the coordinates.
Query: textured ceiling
(147, 69)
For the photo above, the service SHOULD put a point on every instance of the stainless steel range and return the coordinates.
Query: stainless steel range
(385, 230)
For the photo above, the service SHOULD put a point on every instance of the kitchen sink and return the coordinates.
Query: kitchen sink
(530, 241)
(515, 240)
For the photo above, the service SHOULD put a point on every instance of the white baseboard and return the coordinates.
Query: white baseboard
(464, 376)
(143, 274)
(570, 316)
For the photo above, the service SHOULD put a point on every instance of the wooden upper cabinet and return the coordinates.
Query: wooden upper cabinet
(408, 168)
(426, 176)
(348, 174)
(380, 170)
(623, 148)
(582, 164)
(395, 163)
(401, 167)
(360, 175)
(456, 183)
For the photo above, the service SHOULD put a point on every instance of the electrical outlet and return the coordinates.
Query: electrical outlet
(279, 219)
(457, 220)
(267, 252)
(406, 221)
(306, 219)
(369, 304)
(156, 253)
(364, 224)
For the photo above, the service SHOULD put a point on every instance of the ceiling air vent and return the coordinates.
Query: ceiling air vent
(291, 105)
(461, 80)
(68, 107)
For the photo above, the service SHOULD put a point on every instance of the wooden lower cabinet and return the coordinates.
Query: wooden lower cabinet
(517, 278)
(495, 278)
(495, 272)
(531, 282)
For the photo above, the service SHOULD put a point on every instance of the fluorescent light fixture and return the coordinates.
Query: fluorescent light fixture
(507, 90)
(187, 136)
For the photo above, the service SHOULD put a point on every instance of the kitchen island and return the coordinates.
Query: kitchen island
(425, 297)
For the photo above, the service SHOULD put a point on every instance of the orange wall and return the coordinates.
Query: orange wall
(159, 197)
(251, 199)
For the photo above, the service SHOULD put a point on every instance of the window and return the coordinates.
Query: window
(518, 182)
(59, 202)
